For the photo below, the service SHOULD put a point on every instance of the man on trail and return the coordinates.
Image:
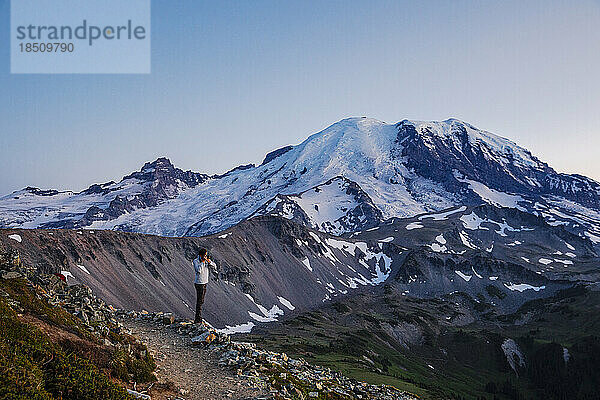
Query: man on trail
(201, 265)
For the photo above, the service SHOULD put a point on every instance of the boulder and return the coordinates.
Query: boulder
(11, 275)
(138, 395)
(168, 319)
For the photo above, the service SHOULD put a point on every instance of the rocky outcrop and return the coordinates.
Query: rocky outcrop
(284, 377)
(337, 206)
(479, 156)
(156, 181)
(276, 153)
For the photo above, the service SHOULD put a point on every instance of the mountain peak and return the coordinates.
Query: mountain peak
(156, 169)
(161, 163)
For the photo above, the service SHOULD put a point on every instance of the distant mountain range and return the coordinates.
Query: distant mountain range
(352, 176)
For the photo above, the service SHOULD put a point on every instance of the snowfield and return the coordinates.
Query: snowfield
(521, 287)
(15, 237)
(494, 197)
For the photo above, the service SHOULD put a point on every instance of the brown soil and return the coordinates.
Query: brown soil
(193, 372)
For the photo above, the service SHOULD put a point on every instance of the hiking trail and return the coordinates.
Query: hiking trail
(194, 371)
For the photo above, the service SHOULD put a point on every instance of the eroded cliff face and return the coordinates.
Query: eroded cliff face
(267, 267)
(271, 267)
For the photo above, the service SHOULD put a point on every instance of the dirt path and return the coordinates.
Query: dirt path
(194, 371)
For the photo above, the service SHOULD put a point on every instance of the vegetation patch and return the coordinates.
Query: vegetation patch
(47, 353)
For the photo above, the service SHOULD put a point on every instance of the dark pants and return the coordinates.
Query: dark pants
(200, 292)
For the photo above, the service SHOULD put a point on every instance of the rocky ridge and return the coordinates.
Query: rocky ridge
(285, 377)
(282, 376)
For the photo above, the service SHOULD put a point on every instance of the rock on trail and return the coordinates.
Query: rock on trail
(194, 371)
(202, 363)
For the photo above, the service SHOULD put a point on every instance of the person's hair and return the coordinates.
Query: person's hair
(202, 253)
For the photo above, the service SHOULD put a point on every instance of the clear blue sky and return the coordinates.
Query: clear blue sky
(232, 80)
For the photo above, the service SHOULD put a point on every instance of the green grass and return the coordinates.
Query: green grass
(342, 349)
(468, 361)
(73, 364)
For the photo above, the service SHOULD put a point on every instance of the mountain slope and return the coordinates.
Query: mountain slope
(155, 183)
(439, 348)
(336, 206)
(270, 267)
(267, 267)
(388, 170)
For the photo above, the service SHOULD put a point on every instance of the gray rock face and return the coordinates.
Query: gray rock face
(158, 181)
(276, 153)
(440, 158)
(513, 354)
(267, 267)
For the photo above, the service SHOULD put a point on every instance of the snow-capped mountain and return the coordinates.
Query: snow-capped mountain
(153, 184)
(348, 177)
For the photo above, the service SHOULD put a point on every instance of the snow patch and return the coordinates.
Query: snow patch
(472, 221)
(467, 278)
(464, 238)
(286, 303)
(15, 237)
(268, 315)
(565, 262)
(594, 238)
(566, 355)
(521, 287)
(442, 216)
(306, 262)
(438, 248)
(413, 225)
(241, 328)
(67, 274)
(83, 268)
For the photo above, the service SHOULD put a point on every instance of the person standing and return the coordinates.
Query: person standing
(201, 265)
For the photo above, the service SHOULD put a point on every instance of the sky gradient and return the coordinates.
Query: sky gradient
(231, 81)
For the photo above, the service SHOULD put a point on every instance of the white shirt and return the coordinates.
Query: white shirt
(201, 269)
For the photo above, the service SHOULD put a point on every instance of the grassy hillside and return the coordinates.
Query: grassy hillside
(47, 353)
(427, 354)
